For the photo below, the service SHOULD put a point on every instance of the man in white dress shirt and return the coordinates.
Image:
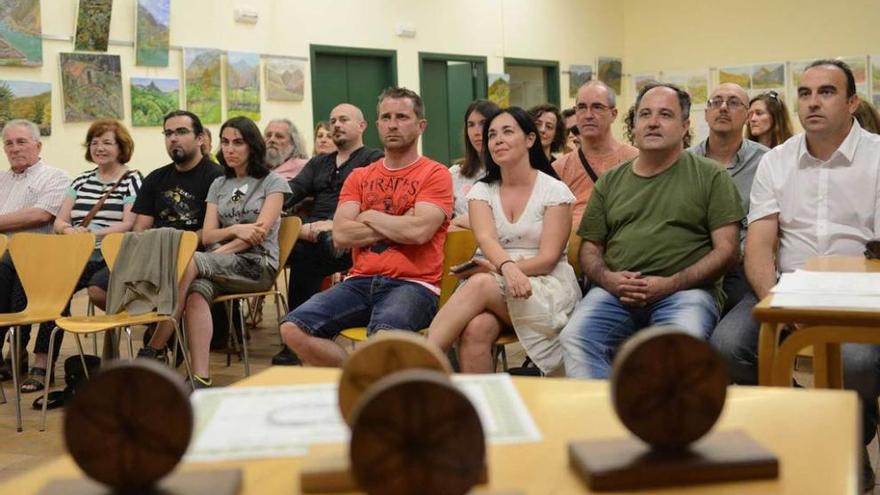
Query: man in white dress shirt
(816, 194)
(31, 193)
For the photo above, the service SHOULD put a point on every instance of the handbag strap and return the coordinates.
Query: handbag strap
(97, 207)
(587, 167)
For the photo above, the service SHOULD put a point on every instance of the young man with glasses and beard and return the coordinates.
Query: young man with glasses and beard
(726, 113)
(599, 151)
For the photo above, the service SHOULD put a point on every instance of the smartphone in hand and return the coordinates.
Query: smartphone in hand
(463, 267)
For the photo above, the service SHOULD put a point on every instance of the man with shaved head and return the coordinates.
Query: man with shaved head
(595, 111)
(726, 114)
(314, 256)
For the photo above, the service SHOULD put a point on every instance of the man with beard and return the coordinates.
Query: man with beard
(726, 114)
(314, 256)
(173, 195)
(285, 150)
(393, 214)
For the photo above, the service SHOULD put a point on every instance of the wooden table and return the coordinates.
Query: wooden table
(818, 451)
(817, 325)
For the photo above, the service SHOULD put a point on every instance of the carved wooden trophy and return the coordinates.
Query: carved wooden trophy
(127, 428)
(668, 389)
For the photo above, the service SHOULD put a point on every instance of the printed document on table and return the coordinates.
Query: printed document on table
(284, 421)
(807, 282)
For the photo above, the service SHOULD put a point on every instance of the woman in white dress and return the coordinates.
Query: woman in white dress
(521, 215)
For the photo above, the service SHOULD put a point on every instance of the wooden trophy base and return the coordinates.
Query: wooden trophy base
(629, 464)
(219, 482)
(332, 474)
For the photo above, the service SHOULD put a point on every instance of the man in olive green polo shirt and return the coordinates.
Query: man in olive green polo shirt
(659, 232)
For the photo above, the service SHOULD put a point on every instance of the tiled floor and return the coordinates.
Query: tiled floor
(22, 451)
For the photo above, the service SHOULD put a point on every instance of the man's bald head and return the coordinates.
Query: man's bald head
(347, 124)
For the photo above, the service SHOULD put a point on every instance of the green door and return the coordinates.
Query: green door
(351, 75)
(449, 84)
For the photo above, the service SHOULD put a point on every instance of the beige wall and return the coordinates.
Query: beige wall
(570, 31)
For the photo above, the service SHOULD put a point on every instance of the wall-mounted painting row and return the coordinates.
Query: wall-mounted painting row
(27, 100)
(20, 33)
(93, 25)
(152, 28)
(92, 87)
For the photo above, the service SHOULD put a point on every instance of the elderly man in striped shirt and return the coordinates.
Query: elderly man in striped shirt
(30, 196)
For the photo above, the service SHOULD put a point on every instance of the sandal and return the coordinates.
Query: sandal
(36, 381)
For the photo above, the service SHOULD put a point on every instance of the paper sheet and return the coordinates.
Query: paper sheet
(284, 421)
(833, 290)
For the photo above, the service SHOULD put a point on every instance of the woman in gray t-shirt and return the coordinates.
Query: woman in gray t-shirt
(240, 235)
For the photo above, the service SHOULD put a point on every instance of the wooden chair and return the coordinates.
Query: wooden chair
(48, 266)
(287, 236)
(509, 337)
(459, 247)
(85, 325)
(3, 241)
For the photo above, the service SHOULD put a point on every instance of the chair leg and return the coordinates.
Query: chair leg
(130, 345)
(14, 345)
(504, 358)
(50, 370)
(244, 349)
(231, 341)
(90, 311)
(184, 350)
(2, 395)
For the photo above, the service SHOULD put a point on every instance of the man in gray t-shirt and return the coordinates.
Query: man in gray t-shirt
(726, 114)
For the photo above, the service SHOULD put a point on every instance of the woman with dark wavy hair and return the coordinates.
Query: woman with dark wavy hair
(551, 128)
(521, 216)
(471, 169)
(240, 233)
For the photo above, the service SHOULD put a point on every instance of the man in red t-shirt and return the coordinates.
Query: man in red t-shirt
(393, 214)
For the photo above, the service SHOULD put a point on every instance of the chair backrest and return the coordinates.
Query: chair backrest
(189, 241)
(49, 266)
(460, 247)
(574, 249)
(287, 236)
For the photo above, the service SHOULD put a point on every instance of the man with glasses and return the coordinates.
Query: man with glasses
(726, 113)
(595, 111)
(816, 194)
(659, 232)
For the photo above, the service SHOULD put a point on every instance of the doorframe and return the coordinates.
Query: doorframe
(315, 50)
(482, 84)
(551, 76)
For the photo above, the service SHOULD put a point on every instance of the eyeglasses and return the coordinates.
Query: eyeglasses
(732, 103)
(574, 130)
(180, 132)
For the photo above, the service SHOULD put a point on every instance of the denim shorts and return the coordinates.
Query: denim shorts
(378, 303)
(227, 273)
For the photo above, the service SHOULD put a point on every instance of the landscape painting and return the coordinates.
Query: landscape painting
(201, 68)
(768, 76)
(151, 32)
(152, 99)
(610, 71)
(738, 75)
(639, 81)
(93, 25)
(243, 85)
(92, 87)
(27, 100)
(499, 89)
(859, 67)
(21, 40)
(577, 76)
(796, 72)
(695, 82)
(285, 79)
(875, 79)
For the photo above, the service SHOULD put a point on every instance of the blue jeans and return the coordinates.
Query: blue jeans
(736, 338)
(378, 303)
(600, 323)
